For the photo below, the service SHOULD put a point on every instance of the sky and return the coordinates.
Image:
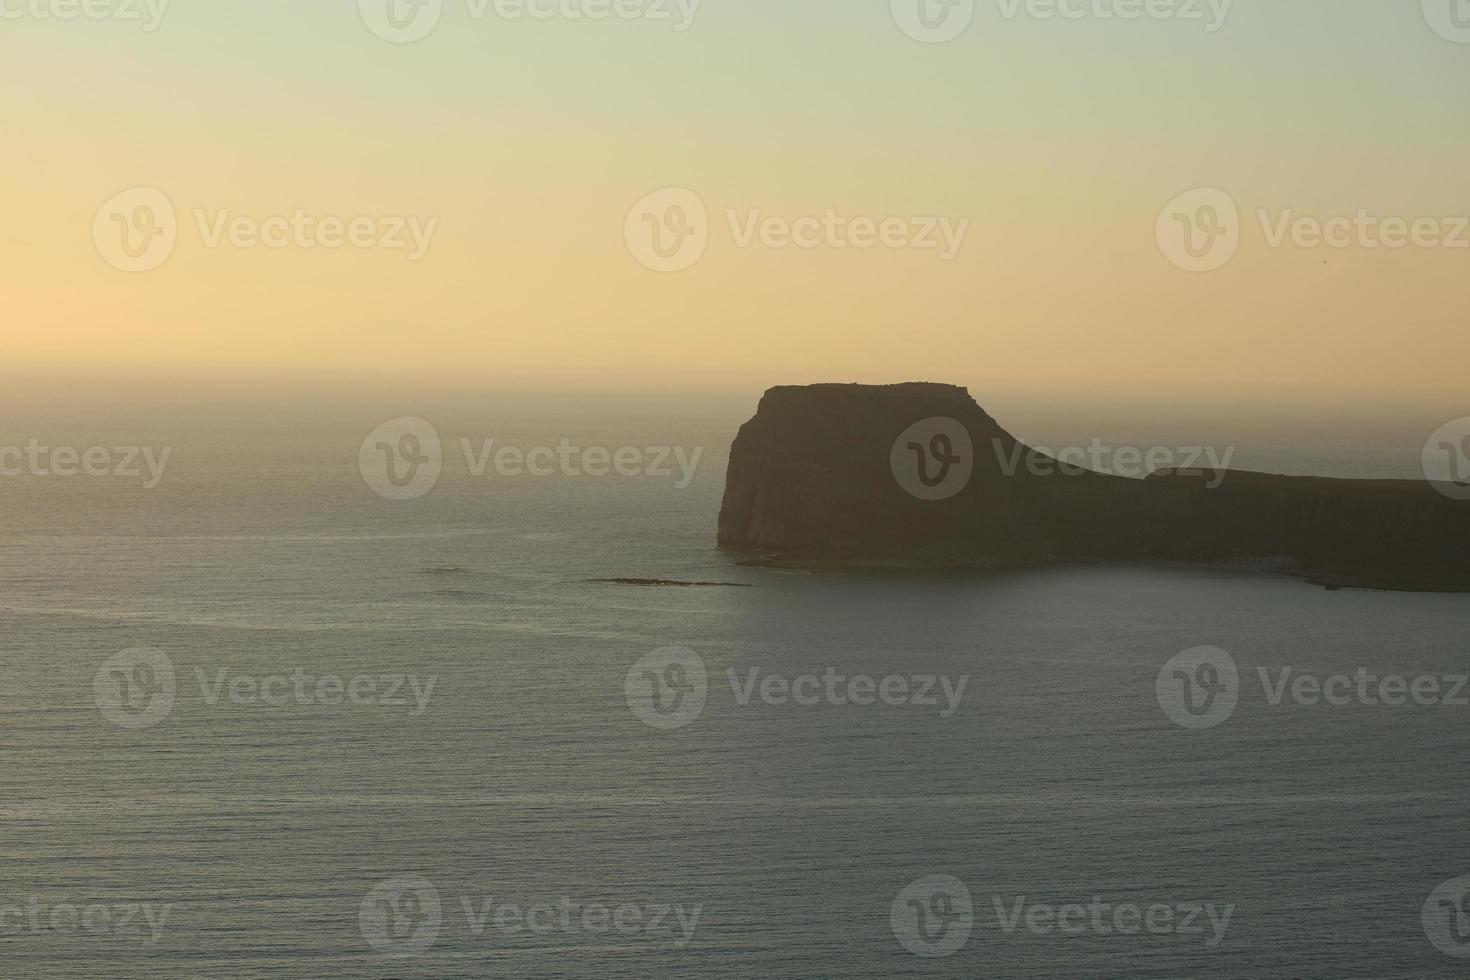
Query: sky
(531, 154)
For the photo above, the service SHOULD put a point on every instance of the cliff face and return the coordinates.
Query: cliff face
(811, 475)
(919, 472)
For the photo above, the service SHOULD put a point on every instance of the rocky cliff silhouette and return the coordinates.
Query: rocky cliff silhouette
(920, 474)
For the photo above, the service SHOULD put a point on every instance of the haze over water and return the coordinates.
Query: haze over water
(525, 777)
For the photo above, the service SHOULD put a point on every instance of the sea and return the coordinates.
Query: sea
(310, 707)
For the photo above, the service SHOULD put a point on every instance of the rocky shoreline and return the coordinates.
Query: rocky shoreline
(857, 476)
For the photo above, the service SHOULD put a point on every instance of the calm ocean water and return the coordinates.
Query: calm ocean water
(519, 819)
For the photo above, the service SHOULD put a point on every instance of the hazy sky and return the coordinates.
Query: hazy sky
(523, 144)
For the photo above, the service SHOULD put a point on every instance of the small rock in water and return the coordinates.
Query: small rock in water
(669, 582)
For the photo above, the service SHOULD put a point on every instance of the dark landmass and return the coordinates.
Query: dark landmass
(811, 484)
(660, 582)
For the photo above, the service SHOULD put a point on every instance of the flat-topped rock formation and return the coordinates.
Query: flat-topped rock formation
(920, 474)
